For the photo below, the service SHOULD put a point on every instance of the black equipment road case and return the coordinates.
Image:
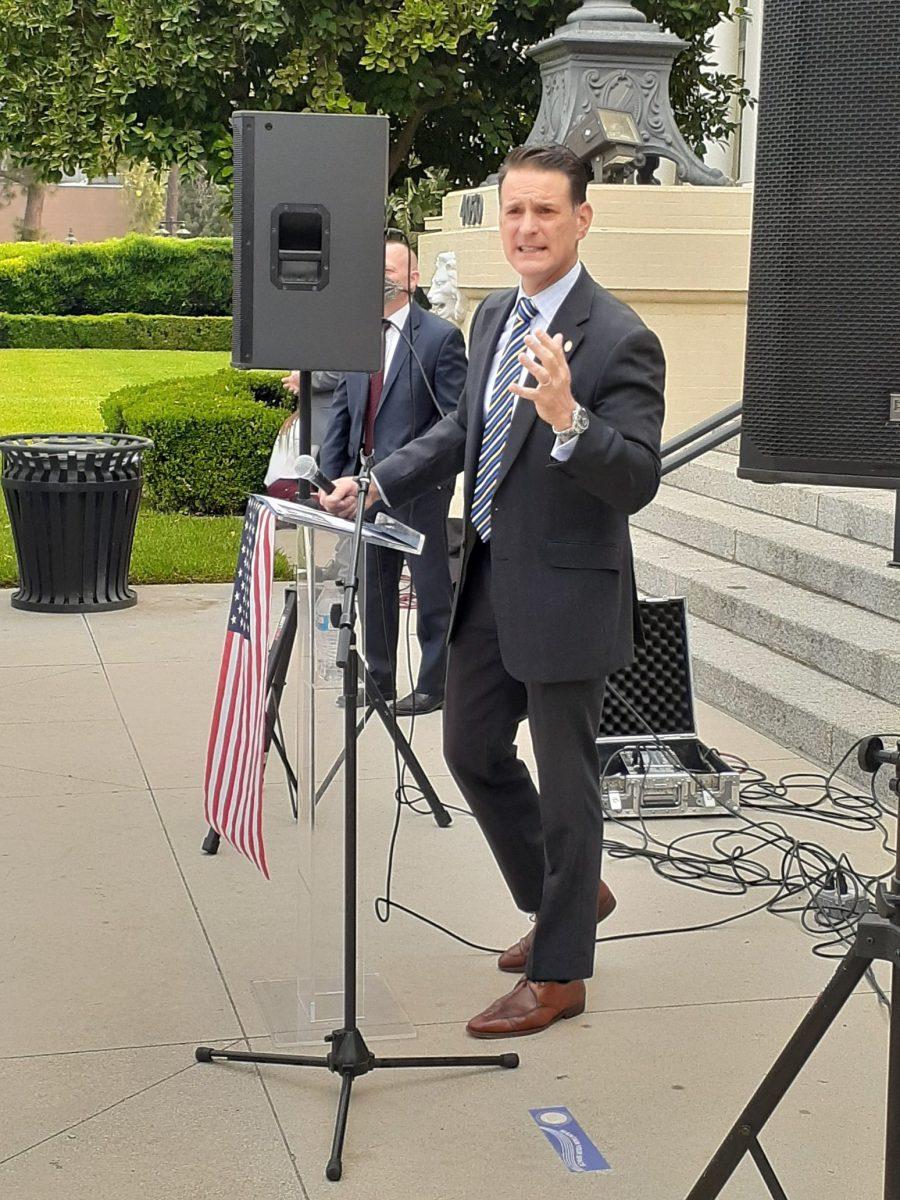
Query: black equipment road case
(652, 764)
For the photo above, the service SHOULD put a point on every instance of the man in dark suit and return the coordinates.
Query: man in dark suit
(418, 385)
(558, 432)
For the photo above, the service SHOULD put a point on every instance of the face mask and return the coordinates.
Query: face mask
(392, 290)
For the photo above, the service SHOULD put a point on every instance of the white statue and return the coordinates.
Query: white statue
(444, 295)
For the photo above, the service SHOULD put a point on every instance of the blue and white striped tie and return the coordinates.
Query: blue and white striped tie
(499, 419)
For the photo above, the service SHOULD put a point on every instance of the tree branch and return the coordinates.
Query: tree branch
(405, 138)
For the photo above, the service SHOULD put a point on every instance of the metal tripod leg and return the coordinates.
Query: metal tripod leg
(377, 703)
(288, 771)
(335, 1166)
(440, 814)
(743, 1138)
(892, 1156)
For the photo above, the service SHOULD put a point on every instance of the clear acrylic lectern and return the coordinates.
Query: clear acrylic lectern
(302, 1009)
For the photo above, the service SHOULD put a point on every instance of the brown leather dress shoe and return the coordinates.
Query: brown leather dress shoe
(515, 958)
(529, 1008)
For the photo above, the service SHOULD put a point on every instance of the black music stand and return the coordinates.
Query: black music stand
(279, 660)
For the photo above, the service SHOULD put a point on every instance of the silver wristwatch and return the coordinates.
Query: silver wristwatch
(579, 425)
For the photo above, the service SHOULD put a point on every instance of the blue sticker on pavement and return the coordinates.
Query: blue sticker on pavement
(569, 1140)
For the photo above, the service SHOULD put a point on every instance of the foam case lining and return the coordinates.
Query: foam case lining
(650, 702)
(655, 690)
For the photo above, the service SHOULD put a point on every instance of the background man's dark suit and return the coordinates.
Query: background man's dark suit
(547, 610)
(406, 411)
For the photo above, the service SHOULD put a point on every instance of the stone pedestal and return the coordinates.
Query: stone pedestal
(607, 55)
(678, 255)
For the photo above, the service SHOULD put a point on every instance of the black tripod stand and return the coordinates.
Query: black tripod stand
(349, 1055)
(877, 939)
(276, 676)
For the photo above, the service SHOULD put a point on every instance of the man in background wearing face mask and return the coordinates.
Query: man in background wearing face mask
(378, 414)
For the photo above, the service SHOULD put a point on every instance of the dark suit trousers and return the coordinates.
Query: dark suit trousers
(430, 573)
(547, 840)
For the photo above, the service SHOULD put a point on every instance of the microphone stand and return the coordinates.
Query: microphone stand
(349, 1055)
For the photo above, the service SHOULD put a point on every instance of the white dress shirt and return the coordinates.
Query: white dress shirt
(394, 324)
(547, 303)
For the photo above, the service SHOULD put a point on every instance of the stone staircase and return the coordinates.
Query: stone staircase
(794, 613)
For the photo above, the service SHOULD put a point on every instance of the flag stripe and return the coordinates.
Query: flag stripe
(257, 758)
(227, 703)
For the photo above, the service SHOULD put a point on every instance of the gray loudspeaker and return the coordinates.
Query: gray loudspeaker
(822, 376)
(309, 202)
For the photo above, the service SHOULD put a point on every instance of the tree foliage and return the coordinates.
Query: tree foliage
(417, 198)
(145, 196)
(500, 88)
(86, 83)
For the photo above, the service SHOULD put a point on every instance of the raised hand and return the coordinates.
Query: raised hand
(552, 397)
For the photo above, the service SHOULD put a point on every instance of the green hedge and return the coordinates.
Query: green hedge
(113, 331)
(133, 274)
(212, 436)
(23, 249)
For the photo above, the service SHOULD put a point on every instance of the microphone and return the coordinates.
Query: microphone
(305, 468)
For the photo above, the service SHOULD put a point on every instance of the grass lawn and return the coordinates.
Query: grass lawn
(59, 391)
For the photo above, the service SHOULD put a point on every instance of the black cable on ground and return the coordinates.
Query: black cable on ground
(803, 877)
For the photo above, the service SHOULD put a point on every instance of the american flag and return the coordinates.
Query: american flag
(235, 758)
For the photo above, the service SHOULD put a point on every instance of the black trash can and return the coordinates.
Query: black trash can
(73, 502)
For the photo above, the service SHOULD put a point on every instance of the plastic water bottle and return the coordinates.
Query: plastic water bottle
(326, 638)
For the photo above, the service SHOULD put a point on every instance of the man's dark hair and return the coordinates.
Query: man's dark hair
(549, 158)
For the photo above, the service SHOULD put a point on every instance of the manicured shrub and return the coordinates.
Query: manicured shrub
(133, 274)
(114, 331)
(212, 436)
(23, 249)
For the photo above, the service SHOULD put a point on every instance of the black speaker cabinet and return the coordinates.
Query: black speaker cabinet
(822, 374)
(309, 202)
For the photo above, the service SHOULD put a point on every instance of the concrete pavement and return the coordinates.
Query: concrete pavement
(124, 947)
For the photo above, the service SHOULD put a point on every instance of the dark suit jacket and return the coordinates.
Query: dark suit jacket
(406, 409)
(561, 566)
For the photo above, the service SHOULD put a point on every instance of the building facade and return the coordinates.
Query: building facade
(89, 210)
(737, 52)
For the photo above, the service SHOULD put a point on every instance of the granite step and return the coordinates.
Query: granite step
(814, 559)
(848, 643)
(818, 717)
(865, 515)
